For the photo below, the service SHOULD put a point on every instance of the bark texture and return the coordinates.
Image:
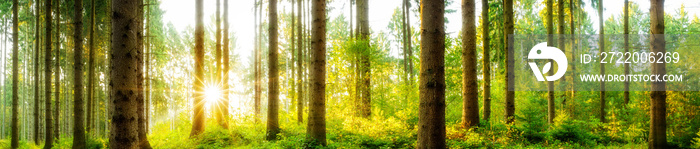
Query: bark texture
(273, 127)
(316, 128)
(14, 142)
(198, 103)
(124, 74)
(550, 43)
(431, 119)
(510, 76)
(470, 88)
(601, 45)
(657, 130)
(487, 58)
(300, 90)
(78, 112)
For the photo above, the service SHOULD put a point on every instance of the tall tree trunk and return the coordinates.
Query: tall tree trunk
(364, 65)
(510, 61)
(300, 90)
(550, 43)
(573, 54)
(141, 109)
(273, 76)
(561, 41)
(14, 142)
(292, 62)
(124, 76)
(217, 76)
(91, 70)
(487, 58)
(431, 119)
(351, 24)
(470, 90)
(404, 40)
(225, 101)
(58, 71)
(198, 121)
(602, 66)
(657, 130)
(47, 78)
(78, 113)
(258, 48)
(37, 45)
(626, 23)
(316, 129)
(409, 45)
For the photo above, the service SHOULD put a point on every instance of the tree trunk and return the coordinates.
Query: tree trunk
(602, 66)
(409, 45)
(316, 128)
(14, 143)
(470, 91)
(510, 61)
(124, 75)
(37, 45)
(626, 23)
(561, 40)
(141, 98)
(217, 76)
(657, 130)
(573, 55)
(300, 90)
(431, 120)
(487, 58)
(198, 121)
(364, 63)
(258, 48)
(78, 113)
(225, 101)
(550, 43)
(273, 75)
(91, 69)
(47, 78)
(58, 71)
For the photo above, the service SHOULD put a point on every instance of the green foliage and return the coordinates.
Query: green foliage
(696, 141)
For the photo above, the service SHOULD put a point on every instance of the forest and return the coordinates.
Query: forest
(426, 74)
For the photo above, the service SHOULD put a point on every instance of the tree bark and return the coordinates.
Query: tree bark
(365, 66)
(487, 58)
(602, 66)
(217, 77)
(657, 130)
(124, 75)
(198, 121)
(37, 45)
(470, 90)
(91, 70)
(225, 100)
(78, 113)
(561, 40)
(258, 49)
(273, 76)
(58, 71)
(47, 78)
(141, 103)
(431, 120)
(510, 61)
(316, 128)
(626, 17)
(300, 90)
(550, 43)
(14, 142)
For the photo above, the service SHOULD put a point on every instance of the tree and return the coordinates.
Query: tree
(470, 91)
(124, 63)
(487, 58)
(561, 40)
(47, 74)
(258, 48)
(141, 110)
(37, 45)
(14, 143)
(431, 120)
(91, 69)
(601, 44)
(226, 67)
(58, 71)
(510, 61)
(550, 43)
(408, 50)
(626, 23)
(365, 108)
(273, 75)
(300, 90)
(198, 121)
(217, 76)
(78, 113)
(657, 130)
(316, 129)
